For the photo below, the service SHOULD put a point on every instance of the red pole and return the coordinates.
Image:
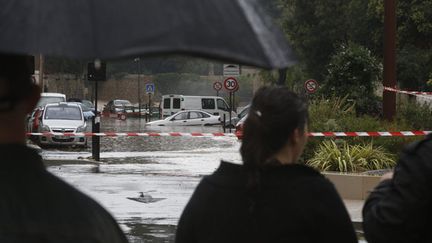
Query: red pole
(389, 98)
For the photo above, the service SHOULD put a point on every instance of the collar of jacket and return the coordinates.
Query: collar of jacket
(229, 174)
(18, 156)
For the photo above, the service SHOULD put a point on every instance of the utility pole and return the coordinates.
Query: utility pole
(389, 98)
(41, 71)
(138, 61)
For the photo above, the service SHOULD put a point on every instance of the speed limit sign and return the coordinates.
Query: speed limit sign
(231, 84)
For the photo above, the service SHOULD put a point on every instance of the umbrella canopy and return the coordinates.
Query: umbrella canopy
(235, 30)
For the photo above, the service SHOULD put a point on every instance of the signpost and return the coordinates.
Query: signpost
(311, 86)
(231, 70)
(217, 86)
(231, 85)
(96, 71)
(150, 89)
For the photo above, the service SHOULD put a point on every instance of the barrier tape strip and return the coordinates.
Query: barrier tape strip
(133, 134)
(197, 134)
(416, 93)
(370, 134)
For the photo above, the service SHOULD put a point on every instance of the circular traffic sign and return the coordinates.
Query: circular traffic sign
(122, 117)
(311, 86)
(231, 84)
(217, 86)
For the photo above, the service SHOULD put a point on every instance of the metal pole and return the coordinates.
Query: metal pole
(389, 98)
(230, 110)
(139, 87)
(149, 108)
(234, 108)
(224, 123)
(282, 77)
(96, 128)
(41, 72)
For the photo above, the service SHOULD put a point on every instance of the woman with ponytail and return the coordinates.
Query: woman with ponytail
(270, 198)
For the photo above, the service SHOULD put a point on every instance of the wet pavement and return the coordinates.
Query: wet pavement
(167, 168)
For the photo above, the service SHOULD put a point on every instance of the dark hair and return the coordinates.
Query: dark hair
(15, 76)
(274, 115)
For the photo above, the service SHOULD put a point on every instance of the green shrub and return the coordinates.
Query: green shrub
(324, 113)
(338, 115)
(414, 116)
(343, 157)
(354, 71)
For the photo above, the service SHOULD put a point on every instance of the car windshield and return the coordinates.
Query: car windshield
(87, 103)
(63, 113)
(49, 100)
(122, 103)
(85, 107)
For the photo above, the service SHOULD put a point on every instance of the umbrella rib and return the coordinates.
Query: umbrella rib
(262, 27)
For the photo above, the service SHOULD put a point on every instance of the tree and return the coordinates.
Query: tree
(353, 71)
(414, 30)
(314, 28)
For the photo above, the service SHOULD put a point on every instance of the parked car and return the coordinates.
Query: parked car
(62, 118)
(88, 103)
(46, 98)
(49, 98)
(88, 112)
(188, 118)
(239, 128)
(234, 120)
(117, 106)
(34, 119)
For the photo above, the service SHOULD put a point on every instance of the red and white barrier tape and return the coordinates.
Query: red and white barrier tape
(417, 93)
(370, 134)
(133, 134)
(197, 134)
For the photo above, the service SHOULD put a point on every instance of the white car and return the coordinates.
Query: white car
(63, 118)
(188, 118)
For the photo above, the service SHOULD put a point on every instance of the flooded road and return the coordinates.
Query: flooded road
(168, 168)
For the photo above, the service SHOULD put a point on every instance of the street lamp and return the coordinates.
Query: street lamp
(137, 60)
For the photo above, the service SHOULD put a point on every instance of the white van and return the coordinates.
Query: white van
(50, 98)
(214, 105)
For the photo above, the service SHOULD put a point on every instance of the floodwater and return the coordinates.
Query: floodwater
(165, 167)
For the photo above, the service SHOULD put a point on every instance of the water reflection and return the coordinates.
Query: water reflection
(151, 233)
(170, 167)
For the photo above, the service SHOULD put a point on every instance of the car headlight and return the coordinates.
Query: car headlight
(45, 128)
(81, 128)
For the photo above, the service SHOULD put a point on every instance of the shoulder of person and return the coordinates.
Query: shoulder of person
(415, 146)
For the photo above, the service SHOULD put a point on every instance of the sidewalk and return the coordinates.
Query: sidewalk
(354, 208)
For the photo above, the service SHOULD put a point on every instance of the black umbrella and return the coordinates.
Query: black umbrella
(235, 30)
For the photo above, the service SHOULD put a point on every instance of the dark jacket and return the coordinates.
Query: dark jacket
(295, 204)
(36, 206)
(400, 210)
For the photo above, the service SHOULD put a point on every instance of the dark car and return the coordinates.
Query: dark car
(119, 106)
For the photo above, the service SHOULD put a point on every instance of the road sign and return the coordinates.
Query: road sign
(217, 86)
(150, 88)
(231, 84)
(231, 70)
(311, 86)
